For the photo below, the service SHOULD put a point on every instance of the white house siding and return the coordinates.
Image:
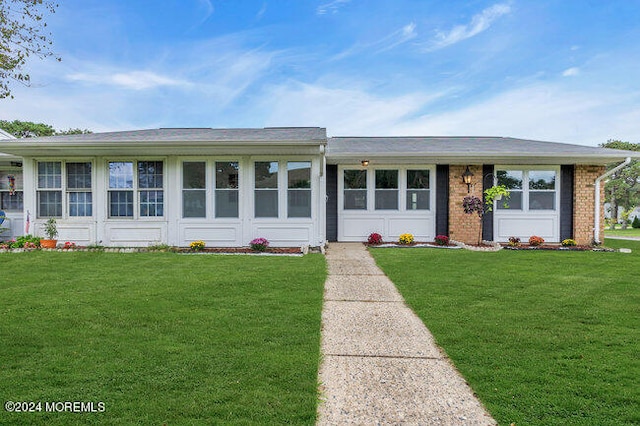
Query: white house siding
(525, 222)
(357, 225)
(172, 228)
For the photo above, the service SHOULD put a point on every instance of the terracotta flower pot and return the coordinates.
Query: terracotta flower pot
(48, 243)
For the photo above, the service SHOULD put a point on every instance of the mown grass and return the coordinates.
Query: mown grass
(161, 338)
(544, 338)
(629, 232)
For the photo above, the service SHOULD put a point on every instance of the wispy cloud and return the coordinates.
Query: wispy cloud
(262, 11)
(479, 23)
(133, 80)
(396, 38)
(331, 7)
(570, 72)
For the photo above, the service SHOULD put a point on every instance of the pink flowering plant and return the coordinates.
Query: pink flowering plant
(374, 238)
(259, 244)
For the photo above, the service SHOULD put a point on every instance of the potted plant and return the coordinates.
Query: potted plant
(496, 192)
(51, 231)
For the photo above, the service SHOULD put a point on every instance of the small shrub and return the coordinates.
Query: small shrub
(374, 238)
(259, 244)
(25, 241)
(569, 243)
(636, 222)
(405, 239)
(442, 240)
(535, 240)
(68, 245)
(197, 245)
(514, 242)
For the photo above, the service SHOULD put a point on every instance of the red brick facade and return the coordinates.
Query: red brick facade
(583, 203)
(463, 227)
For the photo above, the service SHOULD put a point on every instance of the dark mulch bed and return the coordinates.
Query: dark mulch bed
(235, 250)
(554, 247)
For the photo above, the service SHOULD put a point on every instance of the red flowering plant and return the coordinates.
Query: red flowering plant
(68, 245)
(374, 238)
(442, 240)
(535, 240)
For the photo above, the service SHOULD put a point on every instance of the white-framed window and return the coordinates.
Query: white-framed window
(194, 189)
(404, 189)
(530, 189)
(136, 183)
(227, 189)
(64, 189)
(11, 195)
(299, 189)
(266, 189)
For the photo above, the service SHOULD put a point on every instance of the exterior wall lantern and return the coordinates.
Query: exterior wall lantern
(466, 178)
(364, 163)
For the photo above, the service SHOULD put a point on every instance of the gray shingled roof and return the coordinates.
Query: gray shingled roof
(465, 149)
(269, 134)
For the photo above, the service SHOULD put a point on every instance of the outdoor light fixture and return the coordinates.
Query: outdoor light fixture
(466, 178)
(364, 163)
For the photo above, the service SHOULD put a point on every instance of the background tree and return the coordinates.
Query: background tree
(22, 34)
(29, 129)
(623, 187)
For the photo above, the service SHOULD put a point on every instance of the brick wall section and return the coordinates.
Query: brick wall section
(463, 227)
(583, 203)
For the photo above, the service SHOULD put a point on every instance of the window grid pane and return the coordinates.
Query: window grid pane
(418, 199)
(266, 174)
(266, 203)
(299, 174)
(120, 175)
(80, 204)
(355, 179)
(194, 175)
(417, 179)
(50, 175)
(355, 199)
(227, 203)
(299, 203)
(11, 202)
(120, 203)
(49, 203)
(78, 175)
(150, 174)
(151, 203)
(227, 175)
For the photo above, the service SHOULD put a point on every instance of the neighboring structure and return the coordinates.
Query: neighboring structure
(295, 186)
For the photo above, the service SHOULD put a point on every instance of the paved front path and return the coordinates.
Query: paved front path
(380, 364)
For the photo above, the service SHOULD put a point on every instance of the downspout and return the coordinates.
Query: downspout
(596, 219)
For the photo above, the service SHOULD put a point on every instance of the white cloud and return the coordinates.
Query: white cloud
(134, 80)
(570, 72)
(479, 23)
(396, 38)
(331, 7)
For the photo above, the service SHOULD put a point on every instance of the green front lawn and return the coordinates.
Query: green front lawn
(161, 338)
(544, 338)
(629, 232)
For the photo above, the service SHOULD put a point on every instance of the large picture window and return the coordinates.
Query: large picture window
(530, 189)
(299, 189)
(355, 189)
(266, 189)
(146, 191)
(227, 196)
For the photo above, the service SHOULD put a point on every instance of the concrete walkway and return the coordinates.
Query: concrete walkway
(380, 364)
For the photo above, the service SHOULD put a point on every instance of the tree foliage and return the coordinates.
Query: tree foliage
(623, 187)
(22, 34)
(29, 129)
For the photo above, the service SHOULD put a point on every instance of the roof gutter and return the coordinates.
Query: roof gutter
(596, 218)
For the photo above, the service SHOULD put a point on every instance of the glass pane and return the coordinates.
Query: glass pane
(266, 174)
(418, 200)
(151, 203)
(386, 179)
(194, 203)
(121, 203)
(512, 179)
(539, 179)
(193, 175)
(417, 179)
(10, 202)
(542, 200)
(227, 175)
(355, 199)
(80, 204)
(355, 179)
(49, 203)
(120, 175)
(299, 174)
(79, 175)
(49, 174)
(514, 202)
(226, 203)
(299, 203)
(386, 200)
(150, 174)
(266, 203)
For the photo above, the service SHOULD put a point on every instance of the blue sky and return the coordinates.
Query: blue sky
(557, 70)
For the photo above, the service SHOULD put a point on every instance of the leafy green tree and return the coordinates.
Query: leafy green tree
(22, 34)
(623, 187)
(29, 129)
